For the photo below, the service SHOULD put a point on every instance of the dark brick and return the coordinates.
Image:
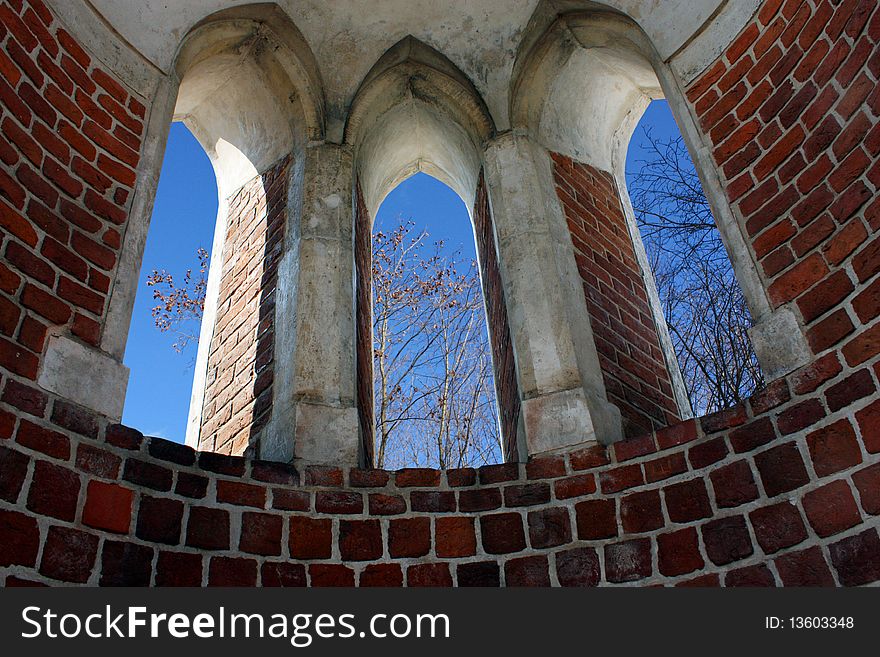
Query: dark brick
(641, 512)
(805, 568)
(679, 552)
(502, 533)
(207, 528)
(831, 509)
(126, 564)
(68, 555)
(13, 470)
(526, 495)
(482, 574)
(147, 474)
(311, 538)
(727, 540)
(778, 526)
(455, 537)
(432, 501)
(578, 567)
(171, 451)
(527, 571)
(159, 520)
(857, 558)
(687, 501)
(628, 561)
(834, 448)
(277, 574)
(734, 485)
(409, 537)
(781, 469)
(549, 528)
(232, 571)
(360, 540)
(596, 519)
(54, 491)
(178, 569)
(381, 574)
(19, 539)
(261, 533)
(428, 575)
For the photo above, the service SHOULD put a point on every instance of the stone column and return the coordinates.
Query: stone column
(314, 418)
(560, 381)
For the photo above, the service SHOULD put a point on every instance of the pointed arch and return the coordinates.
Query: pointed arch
(416, 111)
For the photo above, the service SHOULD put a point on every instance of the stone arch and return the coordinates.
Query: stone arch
(580, 84)
(250, 89)
(416, 111)
(247, 85)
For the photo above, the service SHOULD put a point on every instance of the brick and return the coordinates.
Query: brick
(829, 331)
(386, 505)
(170, 451)
(633, 448)
(549, 528)
(68, 555)
(409, 537)
(368, 478)
(159, 520)
(800, 416)
(29, 264)
(495, 474)
(147, 474)
(461, 477)
(641, 512)
(526, 495)
(834, 448)
(13, 470)
(108, 507)
(330, 575)
(479, 499)
(547, 467)
(241, 494)
(831, 509)
(527, 571)
(338, 502)
(51, 443)
(482, 574)
(618, 479)
(707, 453)
(590, 457)
(628, 561)
(851, 389)
(596, 519)
(455, 537)
(421, 477)
(432, 501)
(178, 569)
(361, 540)
(75, 418)
(857, 558)
(727, 540)
(734, 485)
(687, 501)
(752, 435)
(574, 486)
(126, 564)
(19, 539)
(318, 475)
(207, 528)
(311, 538)
(867, 481)
(54, 491)
(502, 533)
(291, 500)
(805, 568)
(778, 526)
(781, 469)
(17, 360)
(429, 575)
(381, 574)
(124, 437)
(232, 571)
(190, 485)
(750, 576)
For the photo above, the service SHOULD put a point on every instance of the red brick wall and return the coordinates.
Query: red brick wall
(637, 380)
(363, 260)
(70, 140)
(241, 367)
(780, 491)
(791, 113)
(506, 388)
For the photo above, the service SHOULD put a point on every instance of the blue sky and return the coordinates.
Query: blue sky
(183, 219)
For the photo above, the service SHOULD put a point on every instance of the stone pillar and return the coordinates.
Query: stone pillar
(560, 381)
(314, 418)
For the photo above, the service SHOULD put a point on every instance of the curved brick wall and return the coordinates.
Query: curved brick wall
(780, 492)
(784, 490)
